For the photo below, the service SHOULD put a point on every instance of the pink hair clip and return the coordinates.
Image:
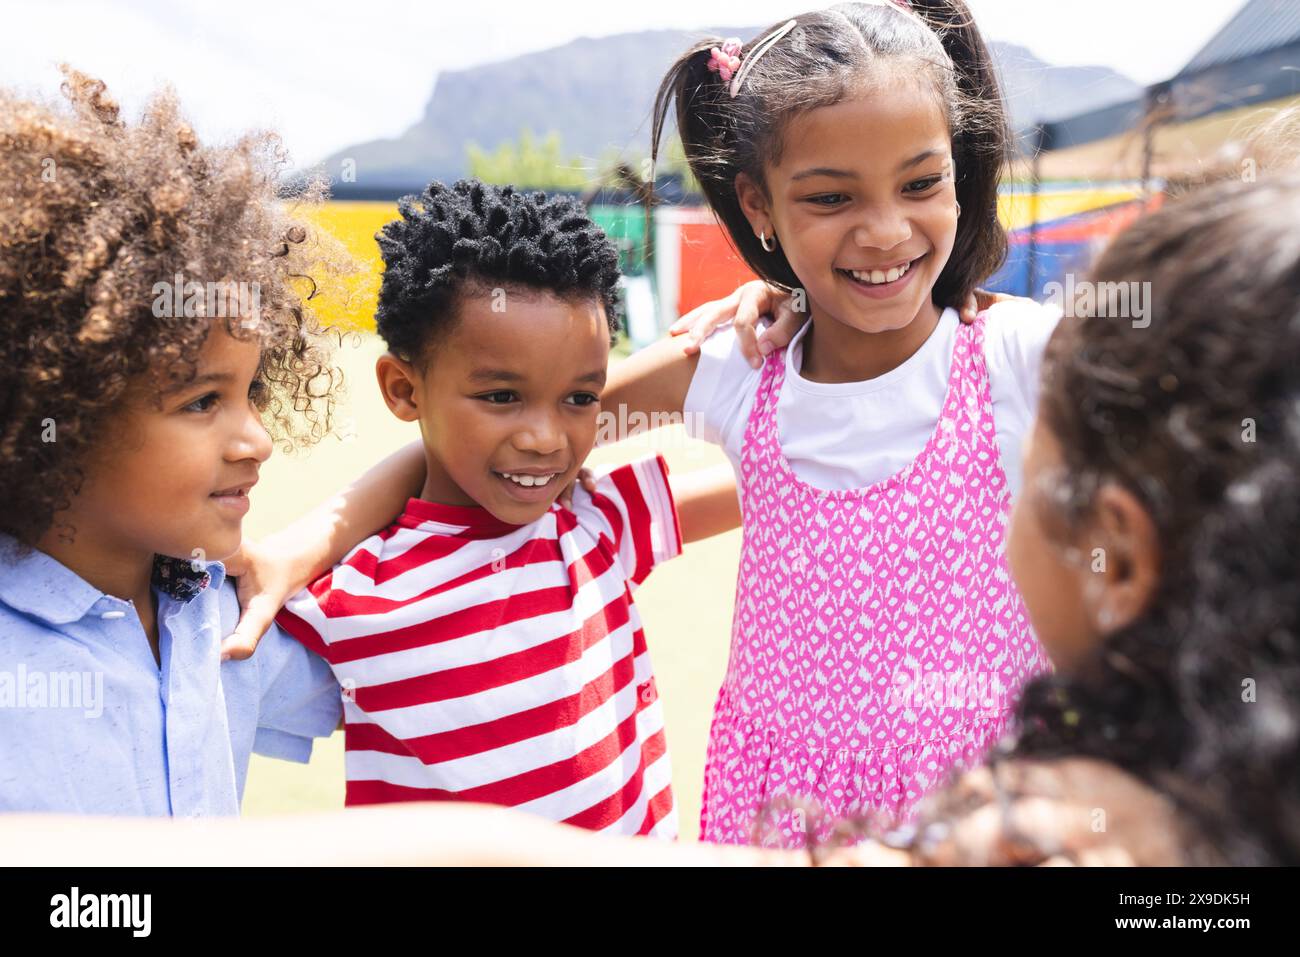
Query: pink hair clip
(734, 87)
(725, 61)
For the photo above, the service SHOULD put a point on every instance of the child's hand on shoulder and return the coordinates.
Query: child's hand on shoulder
(743, 309)
(264, 582)
(756, 302)
(268, 575)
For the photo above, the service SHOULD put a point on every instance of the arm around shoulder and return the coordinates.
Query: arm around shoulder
(706, 502)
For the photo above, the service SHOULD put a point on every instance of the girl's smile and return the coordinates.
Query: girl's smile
(882, 283)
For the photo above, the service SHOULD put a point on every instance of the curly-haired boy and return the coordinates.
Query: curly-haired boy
(487, 641)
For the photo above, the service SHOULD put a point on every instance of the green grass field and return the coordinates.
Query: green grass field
(685, 605)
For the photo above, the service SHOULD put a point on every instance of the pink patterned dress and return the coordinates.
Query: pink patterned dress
(878, 642)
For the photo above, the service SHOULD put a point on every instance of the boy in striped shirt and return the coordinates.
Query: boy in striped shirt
(486, 642)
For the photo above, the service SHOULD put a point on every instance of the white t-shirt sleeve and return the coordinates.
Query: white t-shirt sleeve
(1015, 335)
(721, 393)
(889, 423)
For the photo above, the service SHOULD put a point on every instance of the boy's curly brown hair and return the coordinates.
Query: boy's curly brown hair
(94, 212)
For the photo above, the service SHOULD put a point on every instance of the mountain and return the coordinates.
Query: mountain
(1037, 91)
(597, 94)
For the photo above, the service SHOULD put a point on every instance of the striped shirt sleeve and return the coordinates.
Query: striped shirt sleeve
(303, 616)
(635, 503)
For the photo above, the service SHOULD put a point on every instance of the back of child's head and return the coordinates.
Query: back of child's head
(472, 238)
(1194, 410)
(830, 55)
(96, 213)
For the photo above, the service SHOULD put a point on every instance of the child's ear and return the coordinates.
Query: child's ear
(1126, 558)
(753, 203)
(399, 385)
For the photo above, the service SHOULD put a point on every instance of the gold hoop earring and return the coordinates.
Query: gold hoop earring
(762, 241)
(959, 209)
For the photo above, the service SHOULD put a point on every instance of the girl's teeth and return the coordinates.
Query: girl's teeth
(877, 276)
(528, 481)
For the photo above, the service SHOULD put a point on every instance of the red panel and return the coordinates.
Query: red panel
(710, 269)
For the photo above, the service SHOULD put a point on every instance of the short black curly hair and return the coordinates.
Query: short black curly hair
(471, 236)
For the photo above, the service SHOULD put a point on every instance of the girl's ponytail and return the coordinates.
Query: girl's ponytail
(683, 85)
(721, 136)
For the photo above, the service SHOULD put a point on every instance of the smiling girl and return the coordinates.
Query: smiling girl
(853, 156)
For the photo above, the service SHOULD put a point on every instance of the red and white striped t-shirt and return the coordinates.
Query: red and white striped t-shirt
(482, 661)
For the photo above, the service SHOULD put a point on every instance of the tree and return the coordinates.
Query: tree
(530, 164)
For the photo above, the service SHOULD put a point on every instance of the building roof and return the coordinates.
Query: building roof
(1253, 60)
(1260, 26)
(1196, 149)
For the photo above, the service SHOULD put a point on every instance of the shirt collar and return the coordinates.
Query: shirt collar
(180, 578)
(44, 588)
(465, 521)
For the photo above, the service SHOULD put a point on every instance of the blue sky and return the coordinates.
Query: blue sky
(326, 74)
